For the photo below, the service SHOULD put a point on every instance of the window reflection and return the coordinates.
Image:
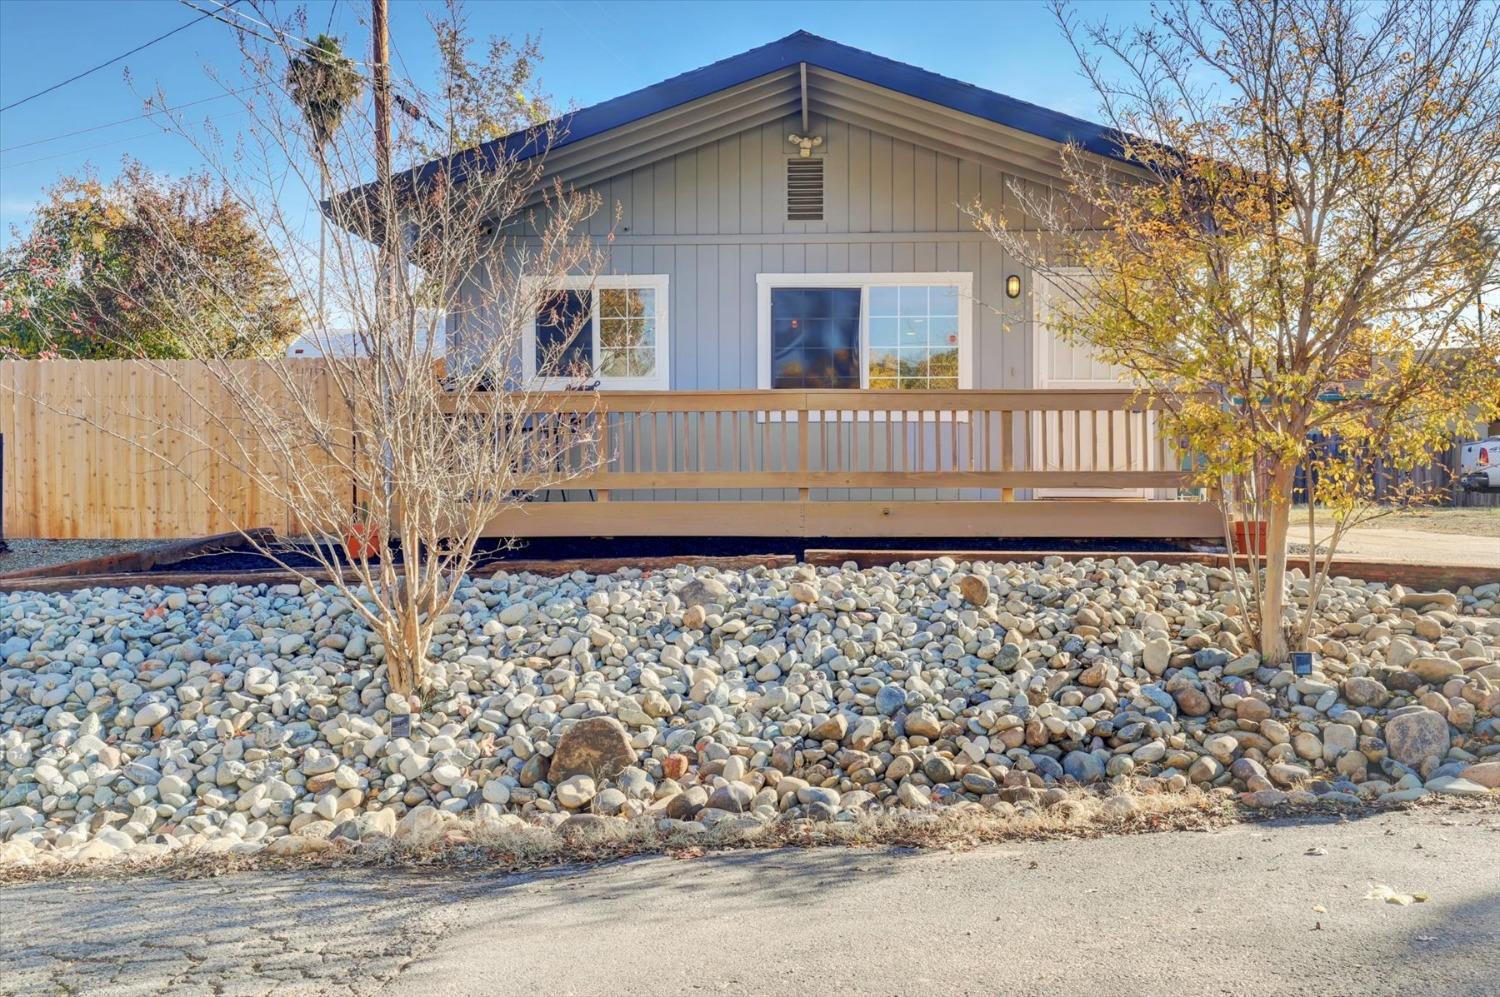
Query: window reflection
(564, 335)
(913, 337)
(815, 337)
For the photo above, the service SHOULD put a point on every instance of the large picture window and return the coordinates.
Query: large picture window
(606, 330)
(882, 332)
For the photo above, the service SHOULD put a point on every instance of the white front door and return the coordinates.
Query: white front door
(1079, 444)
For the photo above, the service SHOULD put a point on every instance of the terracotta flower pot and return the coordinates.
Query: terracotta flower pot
(362, 542)
(1250, 537)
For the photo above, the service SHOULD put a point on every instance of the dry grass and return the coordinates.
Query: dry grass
(467, 847)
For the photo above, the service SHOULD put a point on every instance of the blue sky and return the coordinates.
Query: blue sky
(594, 49)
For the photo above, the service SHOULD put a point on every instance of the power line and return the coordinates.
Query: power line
(410, 107)
(103, 145)
(222, 20)
(246, 17)
(111, 62)
(285, 40)
(123, 121)
(277, 36)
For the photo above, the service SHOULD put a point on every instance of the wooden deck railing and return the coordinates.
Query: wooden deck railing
(858, 463)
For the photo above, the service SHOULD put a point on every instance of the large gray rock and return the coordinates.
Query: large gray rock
(1452, 785)
(701, 591)
(1421, 600)
(1156, 655)
(597, 747)
(1414, 737)
(889, 699)
(735, 797)
(1363, 691)
(1083, 766)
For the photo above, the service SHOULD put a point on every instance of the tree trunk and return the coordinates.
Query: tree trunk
(1278, 506)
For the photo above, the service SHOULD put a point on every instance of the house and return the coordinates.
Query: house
(430, 328)
(799, 330)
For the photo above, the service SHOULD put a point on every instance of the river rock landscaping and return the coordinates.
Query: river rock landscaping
(139, 722)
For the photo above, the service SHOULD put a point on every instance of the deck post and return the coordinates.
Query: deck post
(804, 493)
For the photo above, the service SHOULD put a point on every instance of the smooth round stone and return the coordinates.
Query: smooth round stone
(889, 699)
(938, 769)
(575, 791)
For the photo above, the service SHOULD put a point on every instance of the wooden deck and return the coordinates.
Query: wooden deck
(1081, 463)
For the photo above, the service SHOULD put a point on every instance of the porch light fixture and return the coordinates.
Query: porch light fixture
(1013, 286)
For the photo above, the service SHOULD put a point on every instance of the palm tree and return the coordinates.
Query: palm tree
(322, 81)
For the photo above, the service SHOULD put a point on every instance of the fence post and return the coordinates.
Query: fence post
(4, 547)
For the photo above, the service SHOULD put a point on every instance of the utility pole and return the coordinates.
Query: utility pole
(380, 30)
(385, 258)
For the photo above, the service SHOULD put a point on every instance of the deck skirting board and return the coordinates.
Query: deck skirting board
(1082, 518)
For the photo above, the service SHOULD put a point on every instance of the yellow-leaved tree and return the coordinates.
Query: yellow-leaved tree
(1293, 244)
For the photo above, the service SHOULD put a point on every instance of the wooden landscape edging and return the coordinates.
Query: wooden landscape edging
(278, 576)
(1422, 576)
(144, 560)
(1445, 576)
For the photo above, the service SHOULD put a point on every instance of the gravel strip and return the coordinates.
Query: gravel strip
(28, 554)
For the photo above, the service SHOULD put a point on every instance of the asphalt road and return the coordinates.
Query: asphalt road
(1223, 912)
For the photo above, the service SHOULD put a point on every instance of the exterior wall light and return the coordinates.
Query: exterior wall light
(1013, 286)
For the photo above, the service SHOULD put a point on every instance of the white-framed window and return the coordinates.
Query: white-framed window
(875, 331)
(609, 330)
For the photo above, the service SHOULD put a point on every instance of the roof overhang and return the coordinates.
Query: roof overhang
(774, 81)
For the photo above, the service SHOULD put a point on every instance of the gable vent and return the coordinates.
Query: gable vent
(804, 190)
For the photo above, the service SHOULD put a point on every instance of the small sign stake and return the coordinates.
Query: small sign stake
(1302, 662)
(401, 725)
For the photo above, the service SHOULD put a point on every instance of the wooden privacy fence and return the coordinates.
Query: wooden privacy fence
(1437, 482)
(72, 470)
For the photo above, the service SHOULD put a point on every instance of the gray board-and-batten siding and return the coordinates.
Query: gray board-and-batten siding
(714, 217)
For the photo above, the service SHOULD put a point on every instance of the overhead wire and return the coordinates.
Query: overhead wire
(110, 62)
(102, 145)
(125, 121)
(222, 20)
(411, 107)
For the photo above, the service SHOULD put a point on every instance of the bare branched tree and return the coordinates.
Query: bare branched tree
(1292, 242)
(391, 460)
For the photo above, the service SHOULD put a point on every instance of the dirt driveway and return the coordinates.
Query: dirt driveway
(1460, 537)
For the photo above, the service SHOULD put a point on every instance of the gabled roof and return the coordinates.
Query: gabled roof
(776, 57)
